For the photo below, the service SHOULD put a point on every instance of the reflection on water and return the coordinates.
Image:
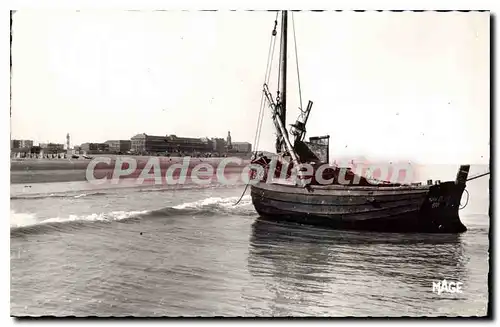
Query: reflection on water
(149, 252)
(318, 267)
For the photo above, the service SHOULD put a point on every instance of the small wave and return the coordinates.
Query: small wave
(110, 216)
(22, 219)
(207, 207)
(215, 201)
(27, 223)
(29, 219)
(80, 195)
(56, 195)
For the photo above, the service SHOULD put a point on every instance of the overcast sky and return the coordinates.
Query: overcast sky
(385, 85)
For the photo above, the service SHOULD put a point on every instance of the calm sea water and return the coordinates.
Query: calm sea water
(191, 252)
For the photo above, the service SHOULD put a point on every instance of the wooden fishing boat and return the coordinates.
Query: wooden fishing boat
(283, 189)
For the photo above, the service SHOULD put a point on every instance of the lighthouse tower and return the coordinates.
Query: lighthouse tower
(229, 144)
(68, 150)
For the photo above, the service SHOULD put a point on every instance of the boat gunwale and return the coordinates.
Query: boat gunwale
(413, 196)
(349, 187)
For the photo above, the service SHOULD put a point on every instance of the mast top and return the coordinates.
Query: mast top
(282, 77)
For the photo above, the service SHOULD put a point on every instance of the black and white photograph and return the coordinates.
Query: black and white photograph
(250, 163)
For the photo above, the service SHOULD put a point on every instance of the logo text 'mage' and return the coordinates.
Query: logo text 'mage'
(445, 286)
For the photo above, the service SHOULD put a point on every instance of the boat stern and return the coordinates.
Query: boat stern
(439, 212)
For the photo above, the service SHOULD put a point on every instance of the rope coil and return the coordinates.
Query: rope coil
(466, 202)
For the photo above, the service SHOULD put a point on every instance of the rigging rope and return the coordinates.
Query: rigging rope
(267, 77)
(297, 60)
(270, 55)
(260, 118)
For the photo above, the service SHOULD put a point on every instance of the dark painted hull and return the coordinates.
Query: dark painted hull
(383, 209)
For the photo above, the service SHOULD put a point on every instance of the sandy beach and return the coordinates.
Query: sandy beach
(67, 170)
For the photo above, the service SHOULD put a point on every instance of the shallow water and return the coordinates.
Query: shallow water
(77, 250)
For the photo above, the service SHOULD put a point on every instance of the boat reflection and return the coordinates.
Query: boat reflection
(313, 259)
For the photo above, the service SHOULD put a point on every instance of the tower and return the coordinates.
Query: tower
(68, 151)
(229, 144)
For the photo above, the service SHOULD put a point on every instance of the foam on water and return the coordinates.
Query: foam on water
(215, 201)
(20, 219)
(30, 219)
(56, 195)
(203, 206)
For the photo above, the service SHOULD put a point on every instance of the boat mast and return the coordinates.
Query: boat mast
(279, 107)
(285, 141)
(284, 46)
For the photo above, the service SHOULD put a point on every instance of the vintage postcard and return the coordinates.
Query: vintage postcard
(269, 163)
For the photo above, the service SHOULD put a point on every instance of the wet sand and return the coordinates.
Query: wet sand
(68, 170)
(46, 176)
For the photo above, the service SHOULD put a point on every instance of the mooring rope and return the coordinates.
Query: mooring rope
(467, 192)
(477, 176)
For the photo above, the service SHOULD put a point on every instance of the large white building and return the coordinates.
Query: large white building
(241, 147)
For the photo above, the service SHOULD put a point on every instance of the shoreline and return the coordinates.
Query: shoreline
(81, 164)
(66, 170)
(30, 171)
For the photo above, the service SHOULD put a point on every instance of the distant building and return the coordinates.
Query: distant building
(36, 150)
(20, 144)
(52, 148)
(26, 143)
(143, 143)
(218, 145)
(27, 152)
(43, 150)
(93, 148)
(241, 147)
(119, 146)
(188, 144)
(15, 144)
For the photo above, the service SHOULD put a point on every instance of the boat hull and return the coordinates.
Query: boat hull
(383, 209)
